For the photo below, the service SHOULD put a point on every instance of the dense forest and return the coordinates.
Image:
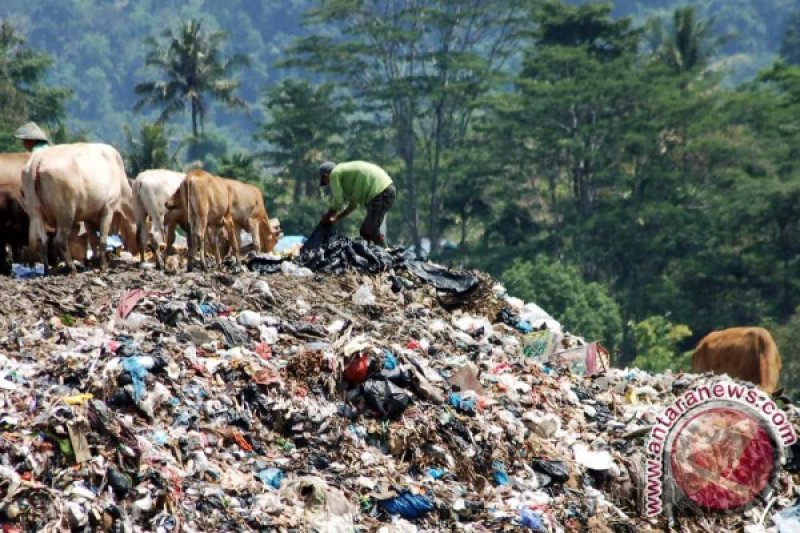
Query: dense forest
(633, 168)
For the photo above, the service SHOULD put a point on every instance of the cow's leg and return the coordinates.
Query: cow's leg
(233, 233)
(254, 227)
(106, 217)
(216, 236)
(190, 251)
(5, 264)
(156, 237)
(141, 237)
(200, 238)
(61, 242)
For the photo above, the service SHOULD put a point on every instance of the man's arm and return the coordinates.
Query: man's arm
(333, 215)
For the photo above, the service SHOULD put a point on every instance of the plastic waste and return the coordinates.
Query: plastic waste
(466, 405)
(437, 473)
(386, 398)
(272, 477)
(557, 470)
(136, 367)
(442, 278)
(593, 460)
(364, 296)
(409, 506)
(788, 520)
(356, 370)
(295, 270)
(531, 519)
(500, 474)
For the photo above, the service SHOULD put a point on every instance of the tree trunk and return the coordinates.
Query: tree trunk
(194, 118)
(434, 227)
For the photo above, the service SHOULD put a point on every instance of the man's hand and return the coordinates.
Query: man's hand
(329, 218)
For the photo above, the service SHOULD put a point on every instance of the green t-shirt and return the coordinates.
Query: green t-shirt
(356, 183)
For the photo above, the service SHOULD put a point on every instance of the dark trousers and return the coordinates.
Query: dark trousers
(376, 212)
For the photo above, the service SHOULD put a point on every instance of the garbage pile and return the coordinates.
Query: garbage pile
(300, 401)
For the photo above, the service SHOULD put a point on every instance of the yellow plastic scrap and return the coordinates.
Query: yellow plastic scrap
(78, 399)
(630, 396)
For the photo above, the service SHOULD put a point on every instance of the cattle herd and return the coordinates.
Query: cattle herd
(61, 200)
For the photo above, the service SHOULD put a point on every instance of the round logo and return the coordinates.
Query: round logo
(723, 458)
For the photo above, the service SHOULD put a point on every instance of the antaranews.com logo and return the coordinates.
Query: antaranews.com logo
(717, 447)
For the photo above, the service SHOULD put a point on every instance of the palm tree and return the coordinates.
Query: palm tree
(150, 150)
(689, 43)
(193, 67)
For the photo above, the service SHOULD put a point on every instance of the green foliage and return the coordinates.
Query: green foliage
(193, 68)
(149, 151)
(787, 337)
(688, 45)
(657, 345)
(583, 308)
(23, 96)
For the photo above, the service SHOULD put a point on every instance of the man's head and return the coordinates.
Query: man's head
(31, 134)
(325, 170)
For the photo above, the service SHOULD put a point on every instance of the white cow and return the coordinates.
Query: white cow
(151, 190)
(66, 184)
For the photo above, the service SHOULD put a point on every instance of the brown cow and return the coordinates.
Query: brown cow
(207, 201)
(749, 354)
(249, 213)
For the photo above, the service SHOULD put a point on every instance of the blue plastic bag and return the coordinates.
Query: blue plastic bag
(390, 363)
(137, 372)
(272, 477)
(531, 519)
(437, 473)
(462, 404)
(500, 475)
(524, 326)
(409, 506)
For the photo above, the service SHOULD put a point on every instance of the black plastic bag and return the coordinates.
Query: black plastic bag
(264, 265)
(442, 278)
(557, 470)
(233, 336)
(385, 397)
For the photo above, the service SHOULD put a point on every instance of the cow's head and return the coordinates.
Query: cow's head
(270, 234)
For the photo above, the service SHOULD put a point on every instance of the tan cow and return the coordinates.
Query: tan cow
(66, 184)
(749, 354)
(249, 213)
(207, 200)
(14, 220)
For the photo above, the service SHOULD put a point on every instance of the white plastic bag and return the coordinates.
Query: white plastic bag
(364, 296)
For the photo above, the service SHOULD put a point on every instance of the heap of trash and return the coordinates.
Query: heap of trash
(307, 396)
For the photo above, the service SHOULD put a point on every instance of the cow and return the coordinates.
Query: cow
(207, 200)
(249, 213)
(66, 184)
(14, 220)
(746, 353)
(152, 189)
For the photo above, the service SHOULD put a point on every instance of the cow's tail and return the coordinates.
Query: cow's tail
(31, 184)
(191, 211)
